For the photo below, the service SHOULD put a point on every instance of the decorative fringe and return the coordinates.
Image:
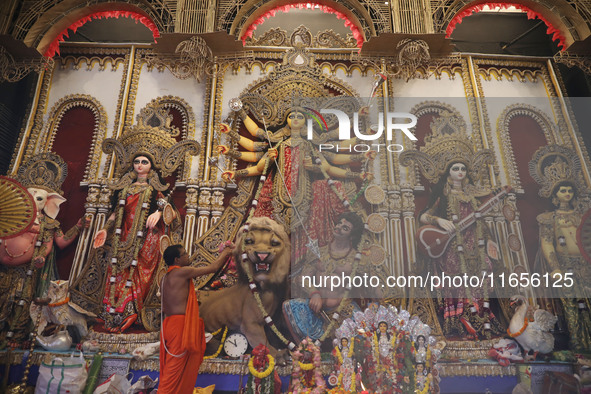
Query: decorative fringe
(122, 343)
(489, 368)
(468, 350)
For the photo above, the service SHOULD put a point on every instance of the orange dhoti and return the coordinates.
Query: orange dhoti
(182, 346)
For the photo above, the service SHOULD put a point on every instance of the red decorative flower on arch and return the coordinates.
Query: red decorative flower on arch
(53, 48)
(551, 30)
(357, 34)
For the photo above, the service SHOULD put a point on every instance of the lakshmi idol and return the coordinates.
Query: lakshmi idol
(121, 269)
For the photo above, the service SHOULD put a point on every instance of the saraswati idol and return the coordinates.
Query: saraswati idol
(454, 237)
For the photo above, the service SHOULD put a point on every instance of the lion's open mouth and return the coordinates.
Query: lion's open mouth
(261, 264)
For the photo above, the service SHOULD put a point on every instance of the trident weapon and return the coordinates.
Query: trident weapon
(378, 81)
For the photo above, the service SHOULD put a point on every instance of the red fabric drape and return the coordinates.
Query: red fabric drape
(526, 138)
(357, 34)
(54, 46)
(72, 142)
(551, 30)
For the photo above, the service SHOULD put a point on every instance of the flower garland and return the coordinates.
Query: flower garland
(518, 333)
(425, 389)
(262, 374)
(376, 349)
(297, 376)
(138, 228)
(217, 353)
(261, 381)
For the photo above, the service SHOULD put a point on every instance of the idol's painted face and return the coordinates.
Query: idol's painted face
(458, 171)
(344, 342)
(343, 228)
(565, 193)
(383, 327)
(296, 120)
(141, 165)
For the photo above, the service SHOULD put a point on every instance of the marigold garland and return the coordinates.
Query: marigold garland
(262, 374)
(217, 353)
(306, 366)
(425, 389)
(518, 333)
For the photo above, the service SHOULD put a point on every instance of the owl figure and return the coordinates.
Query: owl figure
(60, 311)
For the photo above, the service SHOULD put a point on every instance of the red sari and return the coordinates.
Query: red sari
(315, 200)
(147, 262)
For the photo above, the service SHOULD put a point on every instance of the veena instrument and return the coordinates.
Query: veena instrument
(433, 240)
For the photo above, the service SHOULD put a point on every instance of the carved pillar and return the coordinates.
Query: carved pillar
(394, 233)
(519, 256)
(190, 217)
(98, 204)
(408, 214)
(204, 208)
(217, 202)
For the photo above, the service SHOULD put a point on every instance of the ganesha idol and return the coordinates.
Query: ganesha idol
(28, 259)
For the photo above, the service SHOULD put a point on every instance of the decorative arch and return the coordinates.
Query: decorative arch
(56, 114)
(254, 12)
(179, 104)
(55, 23)
(548, 128)
(436, 107)
(551, 12)
(187, 122)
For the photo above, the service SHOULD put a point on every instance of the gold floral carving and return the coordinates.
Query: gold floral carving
(571, 60)
(573, 135)
(522, 75)
(330, 39)
(273, 37)
(302, 35)
(77, 56)
(30, 137)
(233, 18)
(13, 71)
(192, 58)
